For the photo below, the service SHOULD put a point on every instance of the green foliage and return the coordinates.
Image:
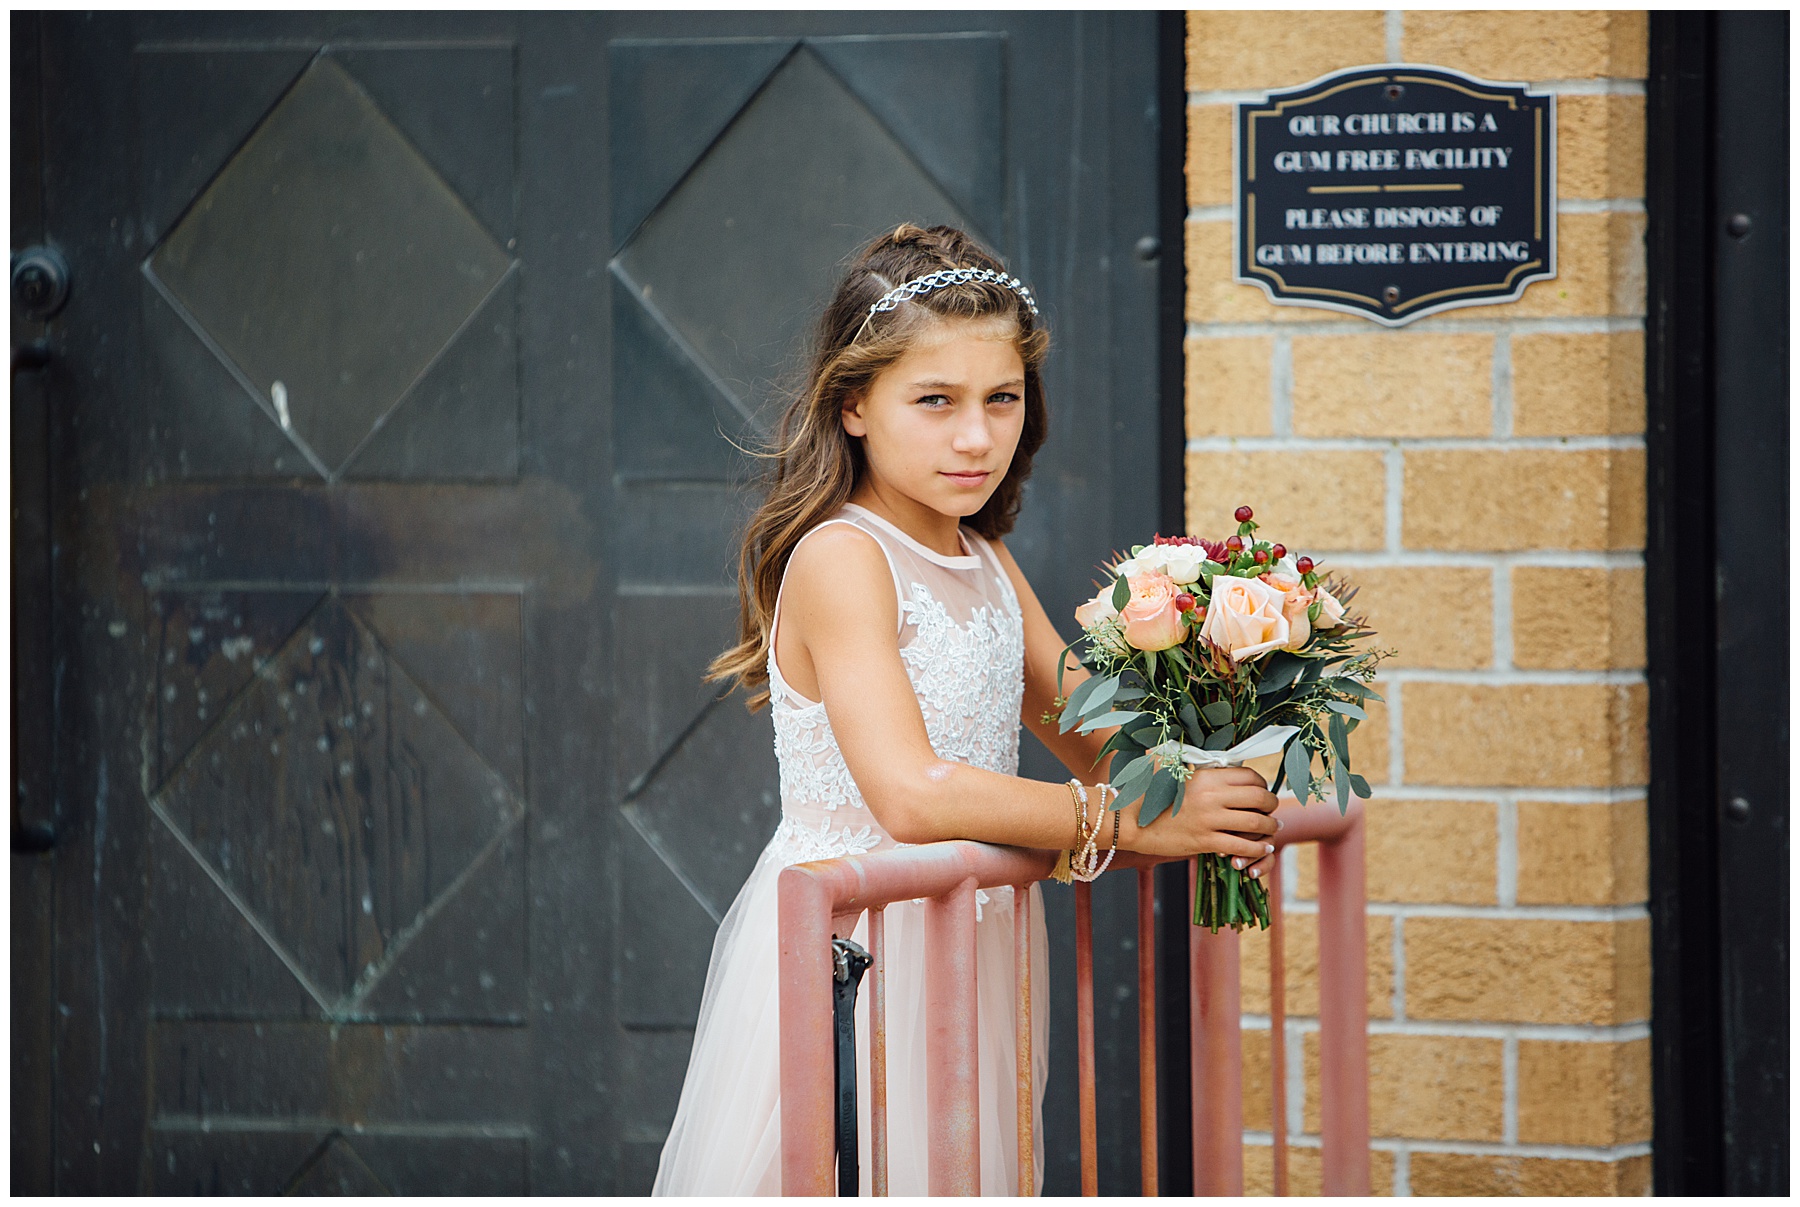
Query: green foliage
(1197, 695)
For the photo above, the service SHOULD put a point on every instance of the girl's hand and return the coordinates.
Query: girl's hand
(1225, 811)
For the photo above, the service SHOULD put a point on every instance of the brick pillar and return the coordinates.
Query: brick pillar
(1480, 476)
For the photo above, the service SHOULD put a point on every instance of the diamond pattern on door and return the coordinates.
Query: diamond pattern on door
(328, 265)
(340, 810)
(732, 262)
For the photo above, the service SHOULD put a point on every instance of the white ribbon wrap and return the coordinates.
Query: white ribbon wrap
(1266, 741)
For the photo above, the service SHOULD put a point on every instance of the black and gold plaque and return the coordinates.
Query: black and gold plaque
(1396, 191)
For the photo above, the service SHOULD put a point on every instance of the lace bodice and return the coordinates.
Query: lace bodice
(962, 641)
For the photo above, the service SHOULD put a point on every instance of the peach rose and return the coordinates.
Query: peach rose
(1293, 609)
(1331, 612)
(1295, 600)
(1245, 617)
(1152, 621)
(1096, 609)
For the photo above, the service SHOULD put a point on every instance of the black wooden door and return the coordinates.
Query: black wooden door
(392, 475)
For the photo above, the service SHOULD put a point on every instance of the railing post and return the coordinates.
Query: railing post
(807, 1040)
(1217, 1055)
(952, 1100)
(1344, 1014)
(1146, 953)
(878, 1117)
(1023, 1081)
(1087, 1111)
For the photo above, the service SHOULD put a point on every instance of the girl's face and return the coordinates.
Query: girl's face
(940, 424)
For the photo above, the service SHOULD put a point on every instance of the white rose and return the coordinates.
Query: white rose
(1182, 562)
(1134, 566)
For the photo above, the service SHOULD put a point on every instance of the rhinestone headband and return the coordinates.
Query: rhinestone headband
(950, 276)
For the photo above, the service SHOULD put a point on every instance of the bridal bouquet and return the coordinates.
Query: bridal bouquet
(1208, 654)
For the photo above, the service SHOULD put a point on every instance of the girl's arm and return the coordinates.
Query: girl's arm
(1043, 645)
(840, 599)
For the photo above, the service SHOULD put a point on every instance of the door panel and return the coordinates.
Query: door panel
(394, 444)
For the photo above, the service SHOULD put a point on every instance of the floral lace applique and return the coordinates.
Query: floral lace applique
(970, 681)
(812, 770)
(797, 842)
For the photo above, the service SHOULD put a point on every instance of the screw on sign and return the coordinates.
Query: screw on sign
(1395, 191)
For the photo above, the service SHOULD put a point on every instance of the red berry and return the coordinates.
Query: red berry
(1184, 602)
(1200, 612)
(1262, 556)
(1279, 552)
(1234, 543)
(1243, 515)
(1304, 565)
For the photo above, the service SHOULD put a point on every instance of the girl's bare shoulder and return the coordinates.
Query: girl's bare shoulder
(839, 573)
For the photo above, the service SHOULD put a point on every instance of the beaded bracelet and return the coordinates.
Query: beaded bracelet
(1087, 865)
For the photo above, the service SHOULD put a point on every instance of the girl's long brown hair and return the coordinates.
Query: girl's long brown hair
(816, 464)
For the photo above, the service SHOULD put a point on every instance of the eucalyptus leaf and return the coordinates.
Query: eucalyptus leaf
(1121, 741)
(1316, 667)
(1282, 669)
(1104, 720)
(1134, 786)
(1122, 773)
(1190, 721)
(1062, 663)
(1340, 780)
(1340, 739)
(1121, 594)
(1360, 786)
(1081, 691)
(1298, 766)
(1217, 713)
(1220, 739)
(1126, 694)
(1349, 710)
(1101, 696)
(1137, 728)
(1071, 713)
(1158, 796)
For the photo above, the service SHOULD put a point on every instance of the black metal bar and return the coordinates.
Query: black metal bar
(1679, 604)
(1716, 438)
(1749, 238)
(1174, 1115)
(849, 962)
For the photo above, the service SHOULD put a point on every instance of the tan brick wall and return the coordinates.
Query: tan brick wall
(1479, 476)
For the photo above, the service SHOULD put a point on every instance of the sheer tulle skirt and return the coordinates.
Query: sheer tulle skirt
(726, 1138)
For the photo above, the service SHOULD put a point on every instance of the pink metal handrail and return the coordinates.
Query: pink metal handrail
(825, 899)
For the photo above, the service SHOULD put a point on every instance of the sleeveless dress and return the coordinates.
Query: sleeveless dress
(961, 638)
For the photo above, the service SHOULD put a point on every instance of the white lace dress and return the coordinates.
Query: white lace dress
(962, 640)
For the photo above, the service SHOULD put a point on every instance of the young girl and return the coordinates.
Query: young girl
(899, 649)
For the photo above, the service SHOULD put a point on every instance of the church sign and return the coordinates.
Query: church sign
(1396, 191)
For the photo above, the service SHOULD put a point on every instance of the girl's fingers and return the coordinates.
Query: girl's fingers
(1258, 798)
(1244, 848)
(1247, 822)
(1260, 868)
